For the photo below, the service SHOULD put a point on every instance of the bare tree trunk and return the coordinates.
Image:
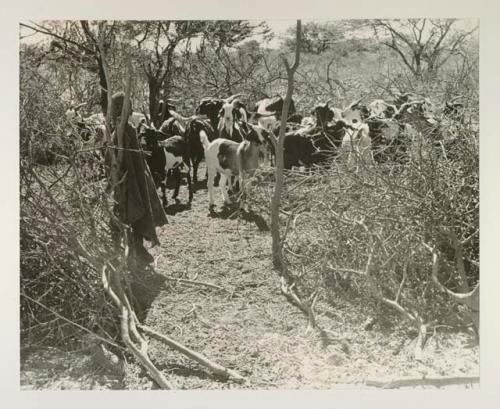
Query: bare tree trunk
(288, 286)
(114, 283)
(167, 81)
(103, 84)
(154, 96)
(276, 202)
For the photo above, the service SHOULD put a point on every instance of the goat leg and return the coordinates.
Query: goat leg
(210, 186)
(224, 180)
(195, 162)
(190, 185)
(177, 175)
(163, 187)
(217, 179)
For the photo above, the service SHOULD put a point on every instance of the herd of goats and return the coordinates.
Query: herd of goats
(233, 139)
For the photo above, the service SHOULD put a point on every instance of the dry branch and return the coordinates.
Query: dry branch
(436, 382)
(212, 366)
(198, 283)
(126, 318)
(114, 288)
(59, 316)
(470, 299)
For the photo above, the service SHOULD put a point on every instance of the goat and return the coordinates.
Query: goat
(73, 112)
(167, 153)
(324, 114)
(164, 104)
(268, 111)
(210, 107)
(298, 150)
(229, 158)
(172, 126)
(356, 145)
(88, 132)
(312, 145)
(232, 110)
(137, 118)
(195, 128)
(192, 129)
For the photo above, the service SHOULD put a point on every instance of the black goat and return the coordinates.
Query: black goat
(167, 153)
(195, 129)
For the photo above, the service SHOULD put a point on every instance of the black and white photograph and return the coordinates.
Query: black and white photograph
(249, 204)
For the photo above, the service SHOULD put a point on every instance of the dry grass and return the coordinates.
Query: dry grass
(249, 326)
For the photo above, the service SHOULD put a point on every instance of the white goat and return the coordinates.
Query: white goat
(356, 145)
(232, 110)
(229, 158)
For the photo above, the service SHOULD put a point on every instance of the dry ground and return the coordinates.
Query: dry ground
(247, 325)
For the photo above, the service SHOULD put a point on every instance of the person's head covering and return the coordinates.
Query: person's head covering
(117, 101)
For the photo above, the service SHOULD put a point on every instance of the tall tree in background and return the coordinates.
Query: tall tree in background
(159, 42)
(424, 45)
(156, 47)
(76, 42)
(288, 283)
(316, 38)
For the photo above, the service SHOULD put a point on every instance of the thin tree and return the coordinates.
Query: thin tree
(424, 45)
(278, 262)
(287, 281)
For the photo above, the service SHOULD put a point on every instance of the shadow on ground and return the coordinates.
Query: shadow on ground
(145, 286)
(177, 207)
(233, 211)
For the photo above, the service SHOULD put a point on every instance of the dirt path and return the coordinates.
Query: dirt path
(247, 325)
(244, 323)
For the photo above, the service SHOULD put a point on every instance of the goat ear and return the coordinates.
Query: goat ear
(139, 128)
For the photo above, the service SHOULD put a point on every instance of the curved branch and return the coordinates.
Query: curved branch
(66, 40)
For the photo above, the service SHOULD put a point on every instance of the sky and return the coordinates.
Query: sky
(278, 27)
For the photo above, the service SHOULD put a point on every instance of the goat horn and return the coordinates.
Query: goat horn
(233, 97)
(208, 98)
(258, 114)
(354, 103)
(407, 104)
(172, 99)
(77, 107)
(327, 102)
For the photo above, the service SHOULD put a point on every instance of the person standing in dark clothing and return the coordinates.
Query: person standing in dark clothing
(137, 202)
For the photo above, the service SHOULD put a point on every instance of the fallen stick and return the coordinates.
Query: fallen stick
(125, 318)
(436, 382)
(186, 281)
(212, 366)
